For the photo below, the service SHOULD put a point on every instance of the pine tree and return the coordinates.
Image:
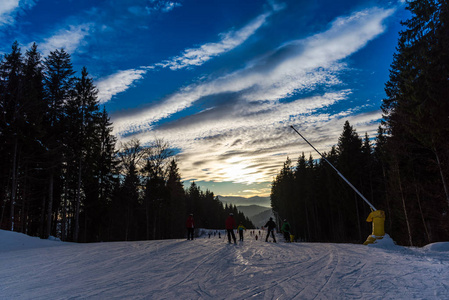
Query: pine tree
(81, 115)
(58, 85)
(104, 166)
(349, 161)
(11, 74)
(176, 199)
(32, 113)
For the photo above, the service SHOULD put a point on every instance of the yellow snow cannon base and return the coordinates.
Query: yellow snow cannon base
(377, 217)
(371, 239)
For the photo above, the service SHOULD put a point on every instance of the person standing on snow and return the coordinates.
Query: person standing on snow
(190, 225)
(230, 225)
(286, 230)
(241, 228)
(270, 229)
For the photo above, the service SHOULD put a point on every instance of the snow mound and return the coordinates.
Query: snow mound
(11, 241)
(437, 247)
(385, 243)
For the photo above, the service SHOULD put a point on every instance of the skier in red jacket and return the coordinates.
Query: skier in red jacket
(230, 225)
(190, 225)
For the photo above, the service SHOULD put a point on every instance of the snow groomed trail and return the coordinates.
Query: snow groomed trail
(213, 269)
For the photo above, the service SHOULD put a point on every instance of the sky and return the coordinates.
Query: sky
(210, 268)
(223, 81)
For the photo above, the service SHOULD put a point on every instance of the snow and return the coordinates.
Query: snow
(210, 268)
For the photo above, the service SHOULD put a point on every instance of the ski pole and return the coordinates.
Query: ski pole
(338, 172)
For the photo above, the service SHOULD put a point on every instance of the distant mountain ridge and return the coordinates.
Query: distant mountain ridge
(252, 210)
(261, 219)
(242, 201)
(259, 215)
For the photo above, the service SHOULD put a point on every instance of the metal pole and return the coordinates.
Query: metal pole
(338, 172)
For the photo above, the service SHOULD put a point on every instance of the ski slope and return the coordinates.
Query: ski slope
(205, 268)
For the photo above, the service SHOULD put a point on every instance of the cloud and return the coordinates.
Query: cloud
(190, 57)
(229, 41)
(243, 134)
(10, 8)
(68, 38)
(117, 83)
(263, 148)
(163, 6)
(295, 67)
(234, 145)
(153, 7)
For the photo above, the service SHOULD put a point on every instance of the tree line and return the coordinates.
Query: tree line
(62, 172)
(404, 170)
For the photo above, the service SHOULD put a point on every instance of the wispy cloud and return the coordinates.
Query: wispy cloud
(297, 66)
(229, 41)
(243, 135)
(69, 38)
(190, 57)
(117, 83)
(154, 6)
(10, 8)
(245, 149)
(161, 5)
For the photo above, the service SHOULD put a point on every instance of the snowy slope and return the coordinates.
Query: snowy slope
(212, 269)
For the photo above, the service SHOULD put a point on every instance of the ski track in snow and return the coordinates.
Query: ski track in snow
(213, 269)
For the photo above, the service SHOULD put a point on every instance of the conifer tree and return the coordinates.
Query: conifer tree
(81, 115)
(176, 199)
(58, 85)
(11, 74)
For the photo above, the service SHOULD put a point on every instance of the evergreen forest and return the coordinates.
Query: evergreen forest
(62, 173)
(404, 170)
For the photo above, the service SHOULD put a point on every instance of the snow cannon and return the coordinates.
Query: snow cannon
(377, 217)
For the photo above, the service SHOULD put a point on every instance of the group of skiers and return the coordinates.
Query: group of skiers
(230, 225)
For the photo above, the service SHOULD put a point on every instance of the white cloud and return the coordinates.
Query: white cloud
(7, 8)
(236, 145)
(154, 6)
(246, 137)
(117, 83)
(299, 65)
(10, 8)
(161, 5)
(229, 41)
(121, 81)
(69, 39)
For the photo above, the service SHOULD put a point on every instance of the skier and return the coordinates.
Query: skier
(241, 228)
(190, 225)
(230, 225)
(286, 230)
(270, 229)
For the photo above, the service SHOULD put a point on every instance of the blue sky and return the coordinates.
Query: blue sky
(222, 81)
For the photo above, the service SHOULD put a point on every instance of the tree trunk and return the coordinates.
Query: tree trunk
(42, 220)
(147, 212)
(422, 215)
(443, 179)
(77, 209)
(307, 222)
(50, 206)
(403, 203)
(387, 199)
(64, 215)
(14, 183)
(24, 206)
(358, 217)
